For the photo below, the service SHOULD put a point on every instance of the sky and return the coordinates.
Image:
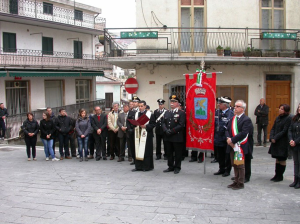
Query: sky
(118, 13)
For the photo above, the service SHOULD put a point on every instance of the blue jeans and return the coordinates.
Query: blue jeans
(83, 143)
(48, 147)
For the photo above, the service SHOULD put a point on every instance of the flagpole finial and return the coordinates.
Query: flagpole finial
(202, 64)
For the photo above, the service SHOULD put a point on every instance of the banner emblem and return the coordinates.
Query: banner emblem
(200, 108)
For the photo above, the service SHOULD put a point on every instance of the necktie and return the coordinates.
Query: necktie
(237, 118)
(98, 118)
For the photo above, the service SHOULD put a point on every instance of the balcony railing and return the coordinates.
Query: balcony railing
(53, 59)
(192, 41)
(36, 9)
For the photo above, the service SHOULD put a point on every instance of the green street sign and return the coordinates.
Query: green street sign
(139, 35)
(290, 36)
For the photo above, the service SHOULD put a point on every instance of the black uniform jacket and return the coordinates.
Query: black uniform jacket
(174, 122)
(158, 127)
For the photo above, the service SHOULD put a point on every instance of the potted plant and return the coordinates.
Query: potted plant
(237, 53)
(287, 54)
(255, 52)
(247, 52)
(220, 50)
(270, 53)
(227, 51)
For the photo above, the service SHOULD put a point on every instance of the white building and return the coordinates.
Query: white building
(178, 35)
(47, 53)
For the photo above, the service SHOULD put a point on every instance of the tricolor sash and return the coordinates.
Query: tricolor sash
(239, 157)
(140, 135)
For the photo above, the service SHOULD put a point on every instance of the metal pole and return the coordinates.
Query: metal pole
(74, 12)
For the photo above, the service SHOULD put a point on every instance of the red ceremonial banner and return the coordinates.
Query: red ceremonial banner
(200, 111)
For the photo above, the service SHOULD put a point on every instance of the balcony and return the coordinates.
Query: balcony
(12, 10)
(186, 45)
(13, 58)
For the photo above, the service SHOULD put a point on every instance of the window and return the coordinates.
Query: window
(9, 42)
(13, 6)
(235, 93)
(47, 8)
(78, 49)
(272, 17)
(124, 93)
(47, 45)
(17, 97)
(192, 14)
(82, 91)
(78, 15)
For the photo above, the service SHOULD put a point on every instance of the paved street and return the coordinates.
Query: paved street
(108, 192)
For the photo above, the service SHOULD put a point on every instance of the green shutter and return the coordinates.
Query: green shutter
(47, 45)
(77, 49)
(9, 42)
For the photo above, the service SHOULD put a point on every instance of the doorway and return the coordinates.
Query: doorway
(278, 92)
(54, 93)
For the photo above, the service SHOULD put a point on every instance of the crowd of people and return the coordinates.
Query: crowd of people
(111, 134)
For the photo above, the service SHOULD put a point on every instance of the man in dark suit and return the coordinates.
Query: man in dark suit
(159, 133)
(222, 117)
(130, 128)
(173, 125)
(99, 124)
(237, 134)
(122, 134)
(262, 120)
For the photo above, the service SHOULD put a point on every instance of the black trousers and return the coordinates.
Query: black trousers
(31, 143)
(160, 138)
(131, 145)
(100, 145)
(114, 143)
(2, 127)
(248, 158)
(195, 156)
(91, 144)
(174, 147)
(72, 144)
(264, 128)
(221, 156)
(122, 141)
(64, 144)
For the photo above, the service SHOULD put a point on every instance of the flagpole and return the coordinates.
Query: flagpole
(208, 73)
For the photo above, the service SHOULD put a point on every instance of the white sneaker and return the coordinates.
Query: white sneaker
(55, 159)
(47, 158)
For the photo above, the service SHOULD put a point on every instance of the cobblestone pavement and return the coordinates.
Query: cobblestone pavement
(108, 192)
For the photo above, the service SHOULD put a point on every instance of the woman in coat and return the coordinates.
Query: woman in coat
(294, 140)
(31, 129)
(279, 141)
(48, 128)
(83, 127)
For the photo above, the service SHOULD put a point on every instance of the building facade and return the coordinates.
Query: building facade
(262, 36)
(47, 53)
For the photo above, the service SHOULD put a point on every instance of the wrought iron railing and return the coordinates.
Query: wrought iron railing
(179, 40)
(36, 9)
(28, 57)
(14, 122)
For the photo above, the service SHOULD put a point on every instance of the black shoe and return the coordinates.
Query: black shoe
(246, 180)
(98, 158)
(192, 160)
(200, 160)
(226, 174)
(219, 172)
(232, 178)
(214, 161)
(134, 170)
(176, 171)
(158, 157)
(132, 163)
(104, 158)
(168, 170)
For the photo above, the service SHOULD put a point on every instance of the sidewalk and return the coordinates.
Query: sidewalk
(108, 192)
